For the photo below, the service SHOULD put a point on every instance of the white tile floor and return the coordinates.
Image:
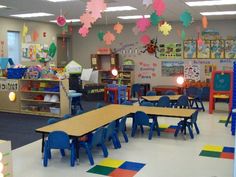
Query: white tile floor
(164, 156)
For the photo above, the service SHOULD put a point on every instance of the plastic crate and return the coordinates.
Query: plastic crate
(16, 73)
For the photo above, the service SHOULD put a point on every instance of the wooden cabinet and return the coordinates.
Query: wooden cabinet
(104, 61)
(44, 97)
(126, 77)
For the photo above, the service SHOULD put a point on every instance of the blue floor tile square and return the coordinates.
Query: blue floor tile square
(228, 149)
(132, 166)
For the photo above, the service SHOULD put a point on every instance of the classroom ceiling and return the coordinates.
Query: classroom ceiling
(74, 9)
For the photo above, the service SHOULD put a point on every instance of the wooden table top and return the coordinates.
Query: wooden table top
(87, 122)
(156, 98)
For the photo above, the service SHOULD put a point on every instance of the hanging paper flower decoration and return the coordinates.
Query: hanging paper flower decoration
(186, 18)
(159, 6)
(204, 22)
(145, 39)
(35, 36)
(100, 35)
(143, 24)
(24, 30)
(52, 50)
(87, 20)
(118, 28)
(83, 31)
(165, 29)
(183, 35)
(199, 41)
(178, 32)
(155, 19)
(147, 3)
(109, 38)
(135, 30)
(61, 20)
(96, 7)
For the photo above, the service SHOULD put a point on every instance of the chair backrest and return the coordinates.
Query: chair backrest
(141, 118)
(122, 93)
(164, 101)
(109, 130)
(182, 102)
(99, 105)
(127, 103)
(151, 93)
(194, 117)
(146, 103)
(205, 93)
(67, 116)
(169, 92)
(112, 85)
(97, 137)
(122, 124)
(58, 140)
(193, 91)
(136, 90)
(78, 112)
(52, 121)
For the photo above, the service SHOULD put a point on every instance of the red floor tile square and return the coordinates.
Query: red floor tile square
(122, 173)
(169, 130)
(227, 155)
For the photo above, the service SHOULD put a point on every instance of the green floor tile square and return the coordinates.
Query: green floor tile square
(210, 154)
(101, 170)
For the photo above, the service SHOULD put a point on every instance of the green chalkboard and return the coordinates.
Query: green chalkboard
(222, 82)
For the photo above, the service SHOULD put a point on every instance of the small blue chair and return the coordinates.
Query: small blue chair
(127, 103)
(182, 102)
(121, 93)
(164, 101)
(196, 93)
(169, 92)
(111, 134)
(151, 93)
(95, 139)
(52, 121)
(122, 128)
(99, 105)
(111, 95)
(58, 140)
(142, 119)
(146, 103)
(67, 116)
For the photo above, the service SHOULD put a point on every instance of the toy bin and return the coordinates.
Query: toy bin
(55, 110)
(16, 73)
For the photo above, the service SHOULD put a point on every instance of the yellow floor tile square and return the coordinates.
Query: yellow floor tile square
(213, 148)
(164, 126)
(108, 162)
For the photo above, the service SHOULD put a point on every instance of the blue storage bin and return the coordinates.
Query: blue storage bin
(16, 73)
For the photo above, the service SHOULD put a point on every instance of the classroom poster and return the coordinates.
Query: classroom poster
(172, 50)
(203, 51)
(230, 49)
(146, 71)
(217, 49)
(192, 72)
(190, 49)
(208, 70)
(31, 52)
(172, 68)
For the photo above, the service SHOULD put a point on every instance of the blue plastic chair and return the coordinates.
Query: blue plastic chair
(95, 139)
(111, 134)
(142, 119)
(67, 116)
(99, 105)
(52, 121)
(122, 128)
(146, 103)
(111, 95)
(182, 102)
(205, 93)
(151, 93)
(164, 101)
(78, 112)
(196, 93)
(58, 140)
(127, 102)
(169, 92)
(183, 124)
(121, 93)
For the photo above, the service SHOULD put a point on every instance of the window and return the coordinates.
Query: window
(13, 42)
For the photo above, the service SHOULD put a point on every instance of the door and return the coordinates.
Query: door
(64, 50)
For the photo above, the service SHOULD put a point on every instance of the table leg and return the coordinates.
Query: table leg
(116, 97)
(105, 95)
(43, 141)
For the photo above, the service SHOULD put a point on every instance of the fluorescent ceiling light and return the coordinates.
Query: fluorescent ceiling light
(29, 15)
(218, 13)
(211, 3)
(133, 17)
(67, 20)
(119, 8)
(2, 6)
(59, 0)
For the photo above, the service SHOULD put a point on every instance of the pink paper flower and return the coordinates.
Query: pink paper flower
(83, 31)
(109, 38)
(143, 24)
(159, 6)
(96, 7)
(87, 20)
(145, 39)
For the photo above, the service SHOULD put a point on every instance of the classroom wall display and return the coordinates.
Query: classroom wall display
(128, 50)
(171, 50)
(190, 49)
(192, 72)
(31, 52)
(172, 68)
(203, 51)
(217, 49)
(147, 71)
(208, 70)
(230, 49)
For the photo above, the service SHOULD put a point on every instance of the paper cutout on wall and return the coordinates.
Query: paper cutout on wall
(145, 39)
(155, 19)
(28, 38)
(159, 6)
(118, 28)
(186, 18)
(204, 22)
(183, 35)
(2, 48)
(109, 38)
(192, 72)
(171, 50)
(165, 29)
(147, 3)
(230, 49)
(44, 34)
(151, 48)
(204, 50)
(35, 36)
(143, 24)
(96, 7)
(199, 41)
(172, 68)
(128, 50)
(87, 20)
(83, 31)
(190, 49)
(31, 52)
(61, 20)
(135, 30)
(217, 49)
(100, 35)
(147, 71)
(208, 70)
(25, 30)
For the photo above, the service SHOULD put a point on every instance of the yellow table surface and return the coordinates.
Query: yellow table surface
(156, 98)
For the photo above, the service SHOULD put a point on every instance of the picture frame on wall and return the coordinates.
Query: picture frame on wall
(230, 49)
(190, 49)
(217, 49)
(170, 50)
(203, 51)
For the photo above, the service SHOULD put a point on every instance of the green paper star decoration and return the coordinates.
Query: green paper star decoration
(100, 35)
(186, 18)
(155, 19)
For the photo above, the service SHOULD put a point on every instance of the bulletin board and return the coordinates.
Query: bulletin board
(190, 49)
(171, 50)
(203, 51)
(217, 49)
(230, 49)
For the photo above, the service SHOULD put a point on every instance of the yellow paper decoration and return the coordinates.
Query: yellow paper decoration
(24, 30)
(165, 29)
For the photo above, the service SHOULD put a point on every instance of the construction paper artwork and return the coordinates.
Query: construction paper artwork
(217, 49)
(87, 20)
(203, 51)
(143, 24)
(165, 29)
(118, 27)
(190, 49)
(109, 38)
(61, 20)
(83, 31)
(159, 6)
(230, 49)
(186, 18)
(145, 39)
(96, 7)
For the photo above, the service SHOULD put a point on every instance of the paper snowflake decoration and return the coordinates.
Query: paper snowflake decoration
(118, 28)
(87, 20)
(165, 29)
(143, 24)
(96, 7)
(109, 38)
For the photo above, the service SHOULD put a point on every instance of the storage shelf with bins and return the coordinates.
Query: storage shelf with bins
(127, 77)
(44, 97)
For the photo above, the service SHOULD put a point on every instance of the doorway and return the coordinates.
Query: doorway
(64, 52)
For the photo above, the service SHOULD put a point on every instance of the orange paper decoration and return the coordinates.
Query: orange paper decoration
(109, 38)
(118, 28)
(204, 22)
